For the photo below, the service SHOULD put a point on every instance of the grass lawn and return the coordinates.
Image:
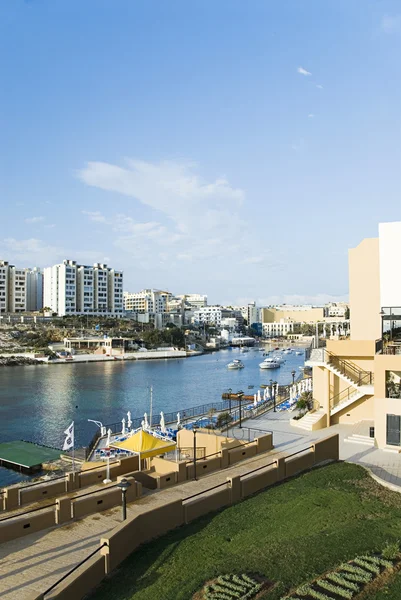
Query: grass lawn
(289, 533)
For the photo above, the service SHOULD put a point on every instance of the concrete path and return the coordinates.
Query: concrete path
(33, 563)
(383, 464)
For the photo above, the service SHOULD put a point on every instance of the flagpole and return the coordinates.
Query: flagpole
(151, 407)
(73, 450)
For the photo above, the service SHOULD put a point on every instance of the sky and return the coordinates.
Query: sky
(234, 148)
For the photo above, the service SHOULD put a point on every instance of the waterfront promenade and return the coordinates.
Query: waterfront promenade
(33, 563)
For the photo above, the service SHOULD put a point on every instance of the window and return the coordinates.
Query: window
(393, 384)
(393, 437)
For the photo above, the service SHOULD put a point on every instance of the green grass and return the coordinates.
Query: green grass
(290, 534)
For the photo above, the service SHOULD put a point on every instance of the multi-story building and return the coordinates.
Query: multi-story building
(4, 278)
(21, 290)
(34, 289)
(209, 315)
(194, 301)
(147, 301)
(359, 380)
(336, 309)
(71, 289)
(278, 329)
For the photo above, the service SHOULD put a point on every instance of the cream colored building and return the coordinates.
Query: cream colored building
(359, 380)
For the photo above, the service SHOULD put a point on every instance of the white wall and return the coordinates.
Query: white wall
(390, 255)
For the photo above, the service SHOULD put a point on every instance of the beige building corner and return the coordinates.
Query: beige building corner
(359, 379)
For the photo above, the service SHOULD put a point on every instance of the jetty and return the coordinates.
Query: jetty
(26, 457)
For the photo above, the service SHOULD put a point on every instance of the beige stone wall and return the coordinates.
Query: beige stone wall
(270, 315)
(361, 410)
(364, 290)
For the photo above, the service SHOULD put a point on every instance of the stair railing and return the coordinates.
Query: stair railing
(342, 396)
(349, 369)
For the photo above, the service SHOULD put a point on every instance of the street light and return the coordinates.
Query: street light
(124, 485)
(194, 430)
(229, 400)
(293, 373)
(239, 395)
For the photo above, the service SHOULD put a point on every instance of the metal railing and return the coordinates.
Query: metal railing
(346, 367)
(74, 569)
(27, 512)
(342, 396)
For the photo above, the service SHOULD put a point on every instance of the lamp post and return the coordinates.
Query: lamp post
(194, 430)
(239, 395)
(293, 373)
(229, 400)
(124, 485)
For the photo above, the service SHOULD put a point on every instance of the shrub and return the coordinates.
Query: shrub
(232, 587)
(391, 550)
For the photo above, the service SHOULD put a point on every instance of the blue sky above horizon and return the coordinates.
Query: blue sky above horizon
(231, 148)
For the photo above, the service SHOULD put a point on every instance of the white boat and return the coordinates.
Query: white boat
(244, 349)
(278, 359)
(287, 351)
(269, 363)
(298, 353)
(235, 364)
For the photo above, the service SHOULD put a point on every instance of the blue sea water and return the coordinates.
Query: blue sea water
(38, 403)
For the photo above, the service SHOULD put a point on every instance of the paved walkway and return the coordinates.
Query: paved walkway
(33, 563)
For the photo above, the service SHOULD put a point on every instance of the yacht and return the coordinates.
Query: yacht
(235, 364)
(269, 363)
(278, 359)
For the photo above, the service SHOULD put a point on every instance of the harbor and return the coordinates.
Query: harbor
(42, 404)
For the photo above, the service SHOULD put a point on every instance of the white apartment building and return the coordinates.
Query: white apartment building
(336, 309)
(71, 289)
(277, 328)
(195, 301)
(147, 301)
(4, 277)
(20, 289)
(208, 315)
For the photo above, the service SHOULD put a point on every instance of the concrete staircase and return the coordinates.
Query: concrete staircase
(309, 420)
(357, 438)
(359, 393)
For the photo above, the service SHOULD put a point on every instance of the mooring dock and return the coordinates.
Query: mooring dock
(26, 457)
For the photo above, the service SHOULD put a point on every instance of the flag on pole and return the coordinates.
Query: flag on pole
(69, 440)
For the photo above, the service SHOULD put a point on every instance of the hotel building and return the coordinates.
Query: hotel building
(359, 380)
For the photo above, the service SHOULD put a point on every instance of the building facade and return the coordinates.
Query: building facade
(21, 289)
(71, 289)
(359, 380)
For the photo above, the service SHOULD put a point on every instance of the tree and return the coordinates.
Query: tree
(223, 420)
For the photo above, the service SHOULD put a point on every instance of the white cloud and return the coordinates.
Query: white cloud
(319, 86)
(191, 219)
(34, 220)
(32, 251)
(95, 216)
(391, 24)
(311, 116)
(303, 71)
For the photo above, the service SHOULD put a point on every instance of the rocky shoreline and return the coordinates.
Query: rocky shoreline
(19, 361)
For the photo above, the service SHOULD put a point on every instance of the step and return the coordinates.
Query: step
(363, 440)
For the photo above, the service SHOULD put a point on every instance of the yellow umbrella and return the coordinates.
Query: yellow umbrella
(145, 444)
